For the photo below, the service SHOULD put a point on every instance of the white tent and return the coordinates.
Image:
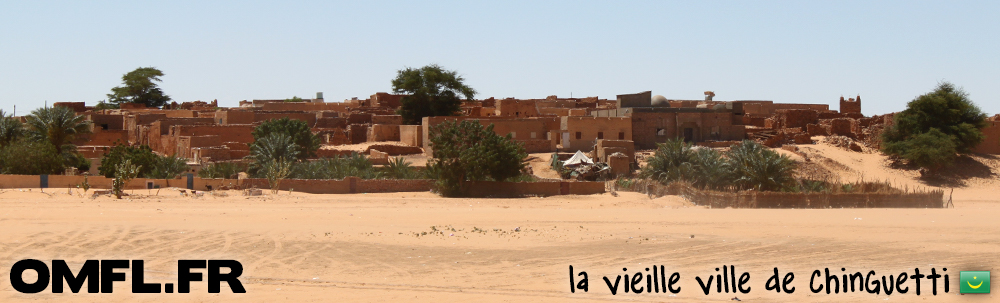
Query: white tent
(577, 159)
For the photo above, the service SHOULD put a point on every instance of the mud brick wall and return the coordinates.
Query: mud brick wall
(991, 140)
(331, 122)
(816, 130)
(628, 148)
(359, 118)
(393, 186)
(850, 105)
(382, 132)
(107, 122)
(842, 127)
(797, 117)
(387, 119)
(358, 133)
(538, 145)
(411, 135)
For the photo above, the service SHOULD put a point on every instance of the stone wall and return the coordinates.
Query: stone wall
(411, 135)
(383, 132)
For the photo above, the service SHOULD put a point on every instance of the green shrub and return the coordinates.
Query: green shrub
(125, 171)
(29, 157)
(932, 149)
(747, 165)
(141, 156)
(340, 167)
(398, 168)
(168, 167)
(757, 167)
(225, 170)
(468, 151)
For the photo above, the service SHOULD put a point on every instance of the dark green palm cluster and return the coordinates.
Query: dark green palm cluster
(748, 165)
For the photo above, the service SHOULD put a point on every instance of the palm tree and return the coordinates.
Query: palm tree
(273, 147)
(10, 129)
(59, 125)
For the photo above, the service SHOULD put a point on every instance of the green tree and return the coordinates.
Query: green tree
(58, 125)
(931, 150)
(10, 129)
(946, 113)
(139, 86)
(297, 130)
(432, 91)
(294, 99)
(468, 151)
(29, 157)
(141, 156)
(948, 109)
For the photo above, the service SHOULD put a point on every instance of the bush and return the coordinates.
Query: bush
(141, 156)
(757, 167)
(168, 167)
(306, 143)
(125, 171)
(275, 171)
(945, 114)
(28, 157)
(337, 168)
(747, 165)
(932, 150)
(398, 168)
(225, 170)
(467, 151)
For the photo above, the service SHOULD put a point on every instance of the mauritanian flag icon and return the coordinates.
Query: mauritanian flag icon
(974, 282)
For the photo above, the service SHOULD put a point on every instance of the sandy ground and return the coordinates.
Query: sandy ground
(417, 247)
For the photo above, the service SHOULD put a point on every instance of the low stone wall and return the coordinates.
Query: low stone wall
(391, 186)
(101, 182)
(541, 189)
(348, 185)
(751, 199)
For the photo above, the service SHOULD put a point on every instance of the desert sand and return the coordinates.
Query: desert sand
(418, 247)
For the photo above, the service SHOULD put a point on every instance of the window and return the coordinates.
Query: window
(621, 136)
(600, 135)
(513, 135)
(579, 135)
(661, 131)
(533, 135)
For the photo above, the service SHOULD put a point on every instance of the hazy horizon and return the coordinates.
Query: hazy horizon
(793, 52)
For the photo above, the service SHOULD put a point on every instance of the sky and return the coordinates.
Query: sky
(888, 52)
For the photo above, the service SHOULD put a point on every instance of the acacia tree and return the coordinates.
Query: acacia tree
(140, 87)
(58, 125)
(432, 91)
(934, 127)
(468, 151)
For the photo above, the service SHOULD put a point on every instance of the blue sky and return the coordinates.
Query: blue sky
(796, 51)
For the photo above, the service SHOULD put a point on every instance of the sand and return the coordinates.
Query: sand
(418, 247)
